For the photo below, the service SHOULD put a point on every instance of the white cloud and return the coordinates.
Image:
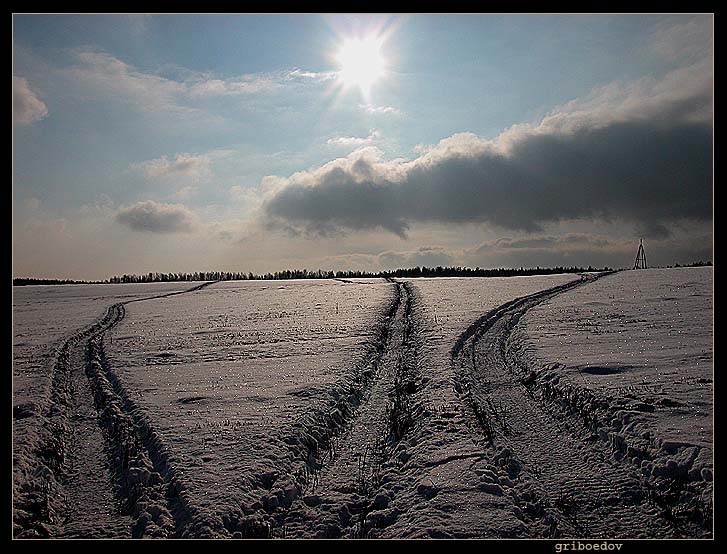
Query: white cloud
(152, 91)
(676, 39)
(27, 107)
(154, 217)
(32, 203)
(386, 110)
(302, 75)
(348, 142)
(251, 84)
(51, 226)
(125, 83)
(640, 150)
(192, 166)
(424, 256)
(244, 195)
(185, 193)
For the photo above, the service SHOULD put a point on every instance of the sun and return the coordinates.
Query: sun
(361, 62)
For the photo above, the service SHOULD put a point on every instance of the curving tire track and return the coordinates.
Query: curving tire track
(104, 468)
(99, 468)
(575, 489)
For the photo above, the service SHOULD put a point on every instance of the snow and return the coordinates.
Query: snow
(643, 336)
(43, 315)
(45, 319)
(448, 407)
(225, 375)
(444, 485)
(447, 306)
(636, 350)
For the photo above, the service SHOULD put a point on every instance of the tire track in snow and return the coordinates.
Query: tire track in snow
(70, 491)
(574, 489)
(344, 490)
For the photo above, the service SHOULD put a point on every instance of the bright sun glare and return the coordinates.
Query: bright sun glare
(361, 62)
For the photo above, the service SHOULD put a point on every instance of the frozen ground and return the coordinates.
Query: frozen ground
(367, 408)
(43, 316)
(230, 378)
(49, 322)
(644, 336)
(635, 351)
(435, 478)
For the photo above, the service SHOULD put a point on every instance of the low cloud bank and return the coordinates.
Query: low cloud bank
(640, 153)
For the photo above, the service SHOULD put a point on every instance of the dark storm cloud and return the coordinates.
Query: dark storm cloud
(641, 154)
(154, 217)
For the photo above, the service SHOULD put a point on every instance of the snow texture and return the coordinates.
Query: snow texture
(48, 324)
(543, 406)
(635, 350)
(230, 376)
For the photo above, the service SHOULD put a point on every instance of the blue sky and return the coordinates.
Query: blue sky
(186, 142)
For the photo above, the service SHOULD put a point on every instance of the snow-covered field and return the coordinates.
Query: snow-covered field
(639, 335)
(435, 476)
(229, 374)
(636, 348)
(448, 407)
(47, 322)
(45, 315)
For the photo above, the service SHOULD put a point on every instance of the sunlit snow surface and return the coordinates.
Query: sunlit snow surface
(443, 455)
(447, 306)
(636, 336)
(223, 373)
(45, 315)
(228, 376)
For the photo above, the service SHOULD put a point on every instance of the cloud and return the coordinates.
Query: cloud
(138, 23)
(249, 84)
(680, 39)
(244, 195)
(150, 91)
(194, 166)
(32, 203)
(153, 217)
(125, 83)
(390, 110)
(550, 243)
(47, 227)
(27, 107)
(185, 193)
(425, 256)
(640, 152)
(615, 247)
(355, 142)
(303, 75)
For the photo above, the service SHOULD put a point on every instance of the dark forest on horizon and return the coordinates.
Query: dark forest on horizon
(439, 271)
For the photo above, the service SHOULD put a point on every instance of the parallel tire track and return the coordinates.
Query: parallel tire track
(344, 489)
(50, 498)
(574, 489)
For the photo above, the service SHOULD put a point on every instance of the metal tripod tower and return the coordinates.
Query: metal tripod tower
(640, 262)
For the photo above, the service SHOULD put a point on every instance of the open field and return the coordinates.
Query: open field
(543, 406)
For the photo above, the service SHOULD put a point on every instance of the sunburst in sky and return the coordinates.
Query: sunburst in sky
(361, 63)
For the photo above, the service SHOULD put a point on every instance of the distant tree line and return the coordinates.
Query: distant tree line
(439, 271)
(700, 263)
(22, 281)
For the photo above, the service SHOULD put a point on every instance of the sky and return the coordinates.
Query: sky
(367, 142)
